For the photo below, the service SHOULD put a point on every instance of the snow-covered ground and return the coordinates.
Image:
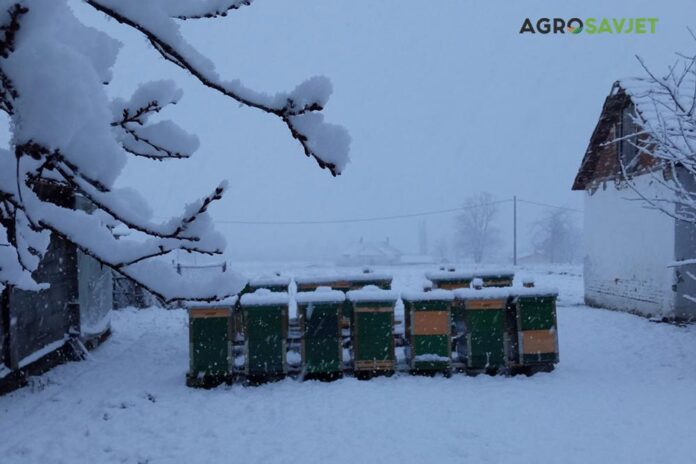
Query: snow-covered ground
(623, 392)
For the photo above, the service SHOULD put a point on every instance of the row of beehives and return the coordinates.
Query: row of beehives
(444, 279)
(476, 330)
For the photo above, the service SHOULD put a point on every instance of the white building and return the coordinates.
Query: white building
(363, 253)
(631, 249)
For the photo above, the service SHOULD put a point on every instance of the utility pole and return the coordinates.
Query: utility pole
(514, 230)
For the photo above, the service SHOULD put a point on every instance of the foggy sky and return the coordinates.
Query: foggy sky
(442, 100)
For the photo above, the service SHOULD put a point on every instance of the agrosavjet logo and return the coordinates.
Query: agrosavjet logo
(589, 26)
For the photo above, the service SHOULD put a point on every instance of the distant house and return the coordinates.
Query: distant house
(417, 259)
(41, 329)
(631, 249)
(363, 253)
(533, 258)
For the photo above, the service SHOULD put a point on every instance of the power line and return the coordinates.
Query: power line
(388, 217)
(365, 219)
(550, 206)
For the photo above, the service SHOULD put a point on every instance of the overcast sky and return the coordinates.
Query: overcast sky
(442, 99)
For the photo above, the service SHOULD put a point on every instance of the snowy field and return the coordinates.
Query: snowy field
(623, 392)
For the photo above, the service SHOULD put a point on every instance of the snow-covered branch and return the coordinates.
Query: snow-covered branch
(665, 135)
(69, 142)
(160, 140)
(204, 8)
(300, 109)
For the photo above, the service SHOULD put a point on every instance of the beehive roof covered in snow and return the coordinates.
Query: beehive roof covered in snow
(485, 273)
(494, 293)
(490, 293)
(320, 295)
(351, 277)
(372, 293)
(449, 275)
(534, 291)
(269, 280)
(224, 303)
(433, 295)
(468, 275)
(264, 297)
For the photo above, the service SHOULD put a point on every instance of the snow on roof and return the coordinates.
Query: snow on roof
(449, 275)
(433, 295)
(493, 293)
(657, 114)
(490, 293)
(468, 275)
(264, 297)
(372, 293)
(534, 291)
(367, 276)
(315, 279)
(273, 280)
(224, 303)
(417, 259)
(495, 273)
(354, 277)
(371, 249)
(320, 295)
(654, 102)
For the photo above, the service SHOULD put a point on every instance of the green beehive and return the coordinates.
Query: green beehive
(345, 283)
(427, 317)
(361, 280)
(372, 331)
(274, 283)
(210, 348)
(537, 331)
(450, 279)
(311, 283)
(496, 278)
(484, 319)
(319, 317)
(265, 316)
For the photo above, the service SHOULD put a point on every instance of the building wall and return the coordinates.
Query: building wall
(685, 251)
(628, 250)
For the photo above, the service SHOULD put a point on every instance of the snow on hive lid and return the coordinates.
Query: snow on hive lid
(316, 279)
(265, 297)
(273, 281)
(433, 295)
(494, 273)
(372, 293)
(533, 291)
(366, 276)
(321, 295)
(449, 275)
(490, 293)
(350, 277)
(224, 303)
